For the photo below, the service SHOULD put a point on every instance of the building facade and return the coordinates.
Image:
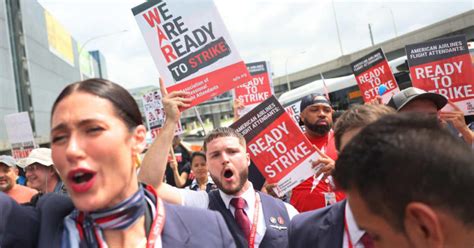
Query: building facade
(38, 57)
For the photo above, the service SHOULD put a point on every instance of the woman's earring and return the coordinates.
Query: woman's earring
(137, 161)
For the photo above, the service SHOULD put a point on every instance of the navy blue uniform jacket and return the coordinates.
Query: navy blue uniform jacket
(42, 226)
(318, 228)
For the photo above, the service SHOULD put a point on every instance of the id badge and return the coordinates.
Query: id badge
(329, 198)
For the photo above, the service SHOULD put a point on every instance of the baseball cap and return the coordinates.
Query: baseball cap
(8, 160)
(314, 98)
(402, 98)
(38, 155)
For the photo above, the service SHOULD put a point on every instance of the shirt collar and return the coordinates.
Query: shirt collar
(58, 187)
(194, 183)
(355, 232)
(248, 195)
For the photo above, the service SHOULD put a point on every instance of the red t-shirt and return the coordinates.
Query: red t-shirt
(302, 198)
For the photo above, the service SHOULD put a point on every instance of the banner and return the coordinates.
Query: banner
(257, 89)
(276, 145)
(155, 114)
(20, 134)
(86, 64)
(191, 47)
(371, 72)
(59, 40)
(444, 66)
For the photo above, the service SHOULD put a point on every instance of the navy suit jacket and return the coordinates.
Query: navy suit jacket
(42, 226)
(318, 228)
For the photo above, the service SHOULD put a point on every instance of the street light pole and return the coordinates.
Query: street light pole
(371, 36)
(337, 27)
(288, 85)
(393, 20)
(91, 39)
(98, 37)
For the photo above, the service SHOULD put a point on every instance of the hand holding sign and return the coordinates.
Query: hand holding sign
(269, 188)
(376, 100)
(455, 117)
(324, 164)
(238, 106)
(173, 102)
(453, 114)
(173, 162)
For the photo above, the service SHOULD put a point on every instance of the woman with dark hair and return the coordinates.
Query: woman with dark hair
(202, 180)
(96, 137)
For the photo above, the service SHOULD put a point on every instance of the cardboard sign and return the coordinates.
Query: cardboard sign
(257, 89)
(153, 109)
(191, 47)
(294, 111)
(444, 66)
(20, 134)
(276, 145)
(155, 114)
(371, 72)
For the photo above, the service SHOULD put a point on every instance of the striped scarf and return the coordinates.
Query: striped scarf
(85, 229)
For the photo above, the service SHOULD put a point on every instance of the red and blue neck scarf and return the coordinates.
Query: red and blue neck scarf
(84, 229)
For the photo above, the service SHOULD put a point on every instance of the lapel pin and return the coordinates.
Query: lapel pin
(273, 220)
(280, 220)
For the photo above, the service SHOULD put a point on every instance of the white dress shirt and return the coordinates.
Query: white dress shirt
(354, 231)
(200, 199)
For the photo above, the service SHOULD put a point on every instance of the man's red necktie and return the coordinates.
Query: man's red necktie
(240, 216)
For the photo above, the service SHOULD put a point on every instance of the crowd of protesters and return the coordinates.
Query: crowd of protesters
(395, 175)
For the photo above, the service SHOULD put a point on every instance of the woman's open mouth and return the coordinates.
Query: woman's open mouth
(82, 177)
(81, 180)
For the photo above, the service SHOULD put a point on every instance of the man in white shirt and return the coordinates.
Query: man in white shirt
(254, 219)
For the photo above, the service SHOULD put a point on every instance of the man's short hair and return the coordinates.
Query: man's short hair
(358, 116)
(407, 158)
(223, 132)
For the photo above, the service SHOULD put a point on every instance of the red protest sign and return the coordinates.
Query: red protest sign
(276, 145)
(257, 89)
(275, 152)
(371, 72)
(444, 66)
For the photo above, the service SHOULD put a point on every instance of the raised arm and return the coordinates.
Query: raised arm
(456, 118)
(238, 105)
(179, 178)
(154, 163)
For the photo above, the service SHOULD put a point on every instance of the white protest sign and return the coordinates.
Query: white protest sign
(20, 134)
(191, 47)
(155, 115)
